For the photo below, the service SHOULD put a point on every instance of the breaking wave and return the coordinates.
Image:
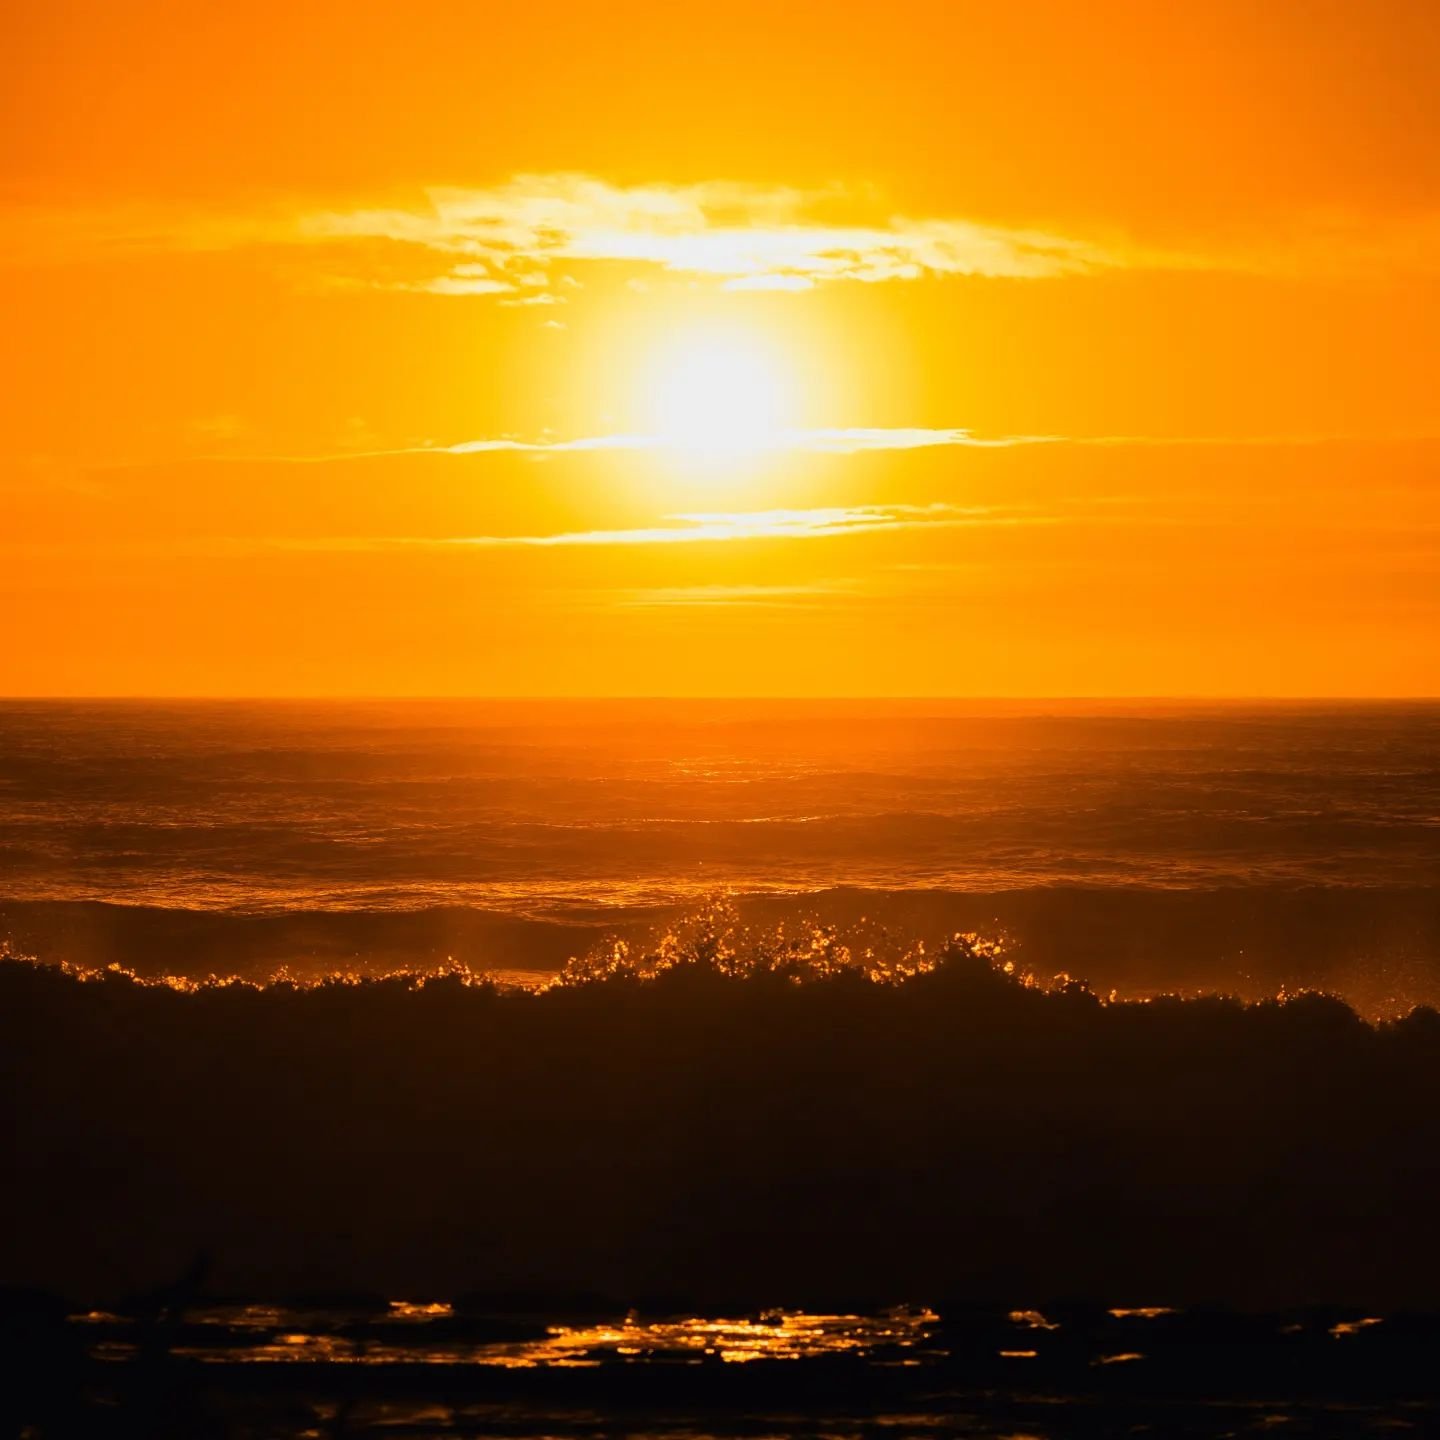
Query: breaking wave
(725, 1116)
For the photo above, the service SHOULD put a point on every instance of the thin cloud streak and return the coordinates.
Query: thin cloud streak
(841, 440)
(836, 440)
(711, 527)
(854, 440)
(755, 597)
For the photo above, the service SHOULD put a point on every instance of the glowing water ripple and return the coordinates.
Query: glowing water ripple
(264, 1334)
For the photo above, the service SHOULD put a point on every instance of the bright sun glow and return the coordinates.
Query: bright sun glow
(718, 394)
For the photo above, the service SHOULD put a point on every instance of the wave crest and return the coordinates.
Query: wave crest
(718, 941)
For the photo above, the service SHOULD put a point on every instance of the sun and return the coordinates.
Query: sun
(718, 393)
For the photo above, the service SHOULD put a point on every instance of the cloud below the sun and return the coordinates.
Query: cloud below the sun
(824, 440)
(714, 527)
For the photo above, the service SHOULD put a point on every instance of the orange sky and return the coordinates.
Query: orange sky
(646, 348)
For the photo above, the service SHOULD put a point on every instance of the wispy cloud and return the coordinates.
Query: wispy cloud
(839, 440)
(852, 440)
(745, 237)
(752, 597)
(834, 440)
(523, 238)
(711, 527)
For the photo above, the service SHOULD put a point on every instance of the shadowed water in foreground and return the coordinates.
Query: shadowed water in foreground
(440, 1369)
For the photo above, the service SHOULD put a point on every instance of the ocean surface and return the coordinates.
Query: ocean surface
(1243, 847)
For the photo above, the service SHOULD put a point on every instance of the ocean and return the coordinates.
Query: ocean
(1145, 847)
(937, 1201)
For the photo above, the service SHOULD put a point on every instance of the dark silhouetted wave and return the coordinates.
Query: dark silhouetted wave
(736, 1115)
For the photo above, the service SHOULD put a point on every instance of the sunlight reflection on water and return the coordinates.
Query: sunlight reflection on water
(263, 1333)
(1019, 1374)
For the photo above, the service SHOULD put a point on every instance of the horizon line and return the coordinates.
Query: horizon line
(221, 697)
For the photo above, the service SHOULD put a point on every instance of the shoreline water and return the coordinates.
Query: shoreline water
(433, 1369)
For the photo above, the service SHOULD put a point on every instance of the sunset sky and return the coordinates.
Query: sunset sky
(1037, 348)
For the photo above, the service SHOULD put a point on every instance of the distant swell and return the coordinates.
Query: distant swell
(1149, 847)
